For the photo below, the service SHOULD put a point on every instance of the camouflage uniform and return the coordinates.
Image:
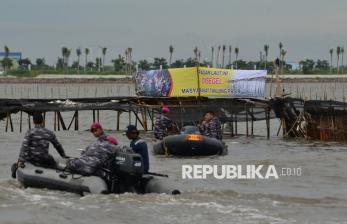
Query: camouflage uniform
(161, 126)
(36, 144)
(212, 129)
(93, 157)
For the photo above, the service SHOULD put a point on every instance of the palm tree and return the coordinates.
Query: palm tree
(283, 54)
(130, 51)
(5, 62)
(104, 49)
(342, 53)
(86, 52)
(78, 53)
(223, 50)
(212, 51)
(171, 50)
(280, 46)
(236, 55)
(196, 50)
(266, 49)
(68, 53)
(126, 60)
(230, 51)
(64, 52)
(338, 52)
(217, 61)
(199, 56)
(331, 51)
(7, 51)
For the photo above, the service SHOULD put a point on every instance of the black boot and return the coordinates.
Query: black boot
(14, 168)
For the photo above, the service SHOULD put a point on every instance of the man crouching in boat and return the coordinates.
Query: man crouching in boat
(210, 126)
(36, 144)
(95, 155)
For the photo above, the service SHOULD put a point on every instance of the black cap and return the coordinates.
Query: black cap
(131, 129)
(37, 118)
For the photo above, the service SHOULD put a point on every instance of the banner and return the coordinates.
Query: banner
(200, 81)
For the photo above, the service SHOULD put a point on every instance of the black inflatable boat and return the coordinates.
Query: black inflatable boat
(126, 176)
(190, 143)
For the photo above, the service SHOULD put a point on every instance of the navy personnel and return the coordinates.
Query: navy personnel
(36, 145)
(162, 124)
(138, 145)
(95, 155)
(210, 126)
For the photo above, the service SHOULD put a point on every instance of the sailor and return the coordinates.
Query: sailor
(138, 145)
(210, 126)
(35, 146)
(112, 140)
(95, 156)
(163, 124)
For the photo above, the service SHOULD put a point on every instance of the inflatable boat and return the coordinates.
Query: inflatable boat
(189, 143)
(126, 176)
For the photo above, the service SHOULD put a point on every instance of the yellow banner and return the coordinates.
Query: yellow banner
(184, 82)
(214, 81)
(200, 81)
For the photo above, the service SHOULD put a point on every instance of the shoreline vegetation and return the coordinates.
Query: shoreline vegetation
(221, 56)
(120, 78)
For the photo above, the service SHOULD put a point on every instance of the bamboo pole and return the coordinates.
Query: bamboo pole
(55, 121)
(21, 121)
(76, 120)
(267, 115)
(252, 122)
(246, 119)
(235, 124)
(29, 122)
(118, 118)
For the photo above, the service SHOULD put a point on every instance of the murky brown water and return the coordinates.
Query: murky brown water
(319, 195)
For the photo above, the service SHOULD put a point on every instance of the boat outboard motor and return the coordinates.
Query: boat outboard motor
(126, 172)
(190, 130)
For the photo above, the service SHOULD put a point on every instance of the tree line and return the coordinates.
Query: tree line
(221, 56)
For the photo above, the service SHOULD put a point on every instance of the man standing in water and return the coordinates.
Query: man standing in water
(210, 126)
(36, 144)
(138, 145)
(162, 124)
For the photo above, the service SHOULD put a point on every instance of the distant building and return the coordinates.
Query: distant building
(14, 56)
(294, 65)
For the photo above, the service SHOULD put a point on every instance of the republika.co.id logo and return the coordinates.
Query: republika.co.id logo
(239, 172)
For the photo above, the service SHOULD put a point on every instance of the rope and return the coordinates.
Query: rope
(166, 151)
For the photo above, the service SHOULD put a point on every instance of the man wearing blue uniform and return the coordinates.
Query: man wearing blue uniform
(138, 145)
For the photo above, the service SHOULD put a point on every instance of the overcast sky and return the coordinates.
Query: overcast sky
(40, 28)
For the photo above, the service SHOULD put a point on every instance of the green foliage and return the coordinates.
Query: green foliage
(178, 64)
(144, 65)
(7, 63)
(119, 64)
(307, 66)
(160, 62)
(60, 63)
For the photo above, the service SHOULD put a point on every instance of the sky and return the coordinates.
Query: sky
(40, 28)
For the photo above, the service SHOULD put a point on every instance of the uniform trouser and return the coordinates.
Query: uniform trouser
(46, 160)
(79, 166)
